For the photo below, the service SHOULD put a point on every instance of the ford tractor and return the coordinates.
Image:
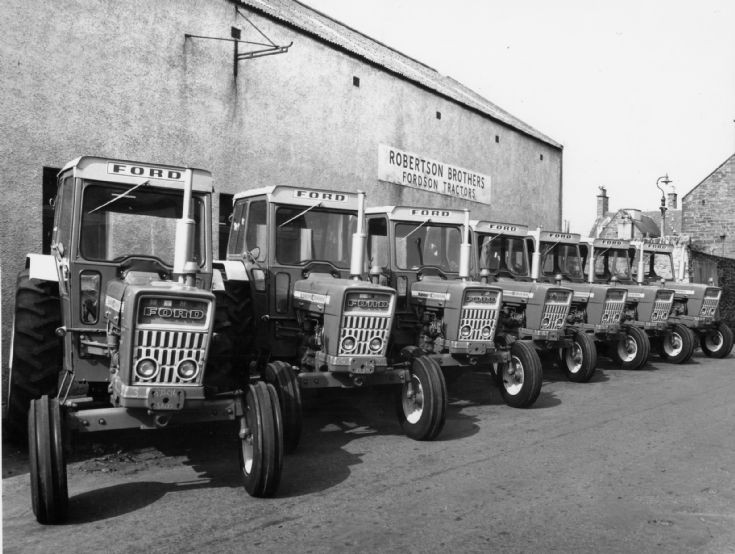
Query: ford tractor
(694, 314)
(113, 329)
(445, 319)
(294, 264)
(598, 309)
(533, 312)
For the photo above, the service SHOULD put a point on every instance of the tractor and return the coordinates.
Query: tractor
(598, 309)
(443, 317)
(295, 264)
(533, 311)
(113, 329)
(694, 315)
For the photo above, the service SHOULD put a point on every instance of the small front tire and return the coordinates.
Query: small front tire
(717, 342)
(422, 401)
(580, 360)
(282, 377)
(632, 351)
(49, 492)
(261, 441)
(520, 379)
(677, 345)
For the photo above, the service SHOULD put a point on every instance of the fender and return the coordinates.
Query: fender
(42, 267)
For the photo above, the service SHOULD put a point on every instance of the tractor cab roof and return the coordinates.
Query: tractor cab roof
(659, 247)
(419, 215)
(135, 173)
(304, 196)
(599, 243)
(490, 227)
(555, 236)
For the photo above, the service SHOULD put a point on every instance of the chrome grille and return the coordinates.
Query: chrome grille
(709, 304)
(168, 349)
(662, 306)
(554, 315)
(477, 319)
(363, 329)
(613, 310)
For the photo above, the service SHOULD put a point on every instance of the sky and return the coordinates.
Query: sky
(634, 90)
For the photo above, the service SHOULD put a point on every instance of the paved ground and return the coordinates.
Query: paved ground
(631, 462)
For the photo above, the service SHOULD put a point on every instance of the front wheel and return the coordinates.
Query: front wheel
(580, 359)
(632, 351)
(49, 492)
(422, 402)
(520, 379)
(717, 342)
(677, 345)
(282, 377)
(261, 441)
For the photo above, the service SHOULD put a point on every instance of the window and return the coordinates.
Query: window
(356, 81)
(225, 213)
(47, 209)
(257, 236)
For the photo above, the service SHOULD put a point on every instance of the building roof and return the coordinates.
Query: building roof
(645, 223)
(325, 28)
(731, 158)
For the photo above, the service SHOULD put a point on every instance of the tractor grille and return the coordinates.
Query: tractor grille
(710, 302)
(556, 310)
(662, 305)
(168, 349)
(364, 335)
(613, 309)
(474, 321)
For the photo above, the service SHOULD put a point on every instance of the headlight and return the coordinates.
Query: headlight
(465, 331)
(545, 322)
(376, 344)
(487, 332)
(348, 344)
(146, 368)
(186, 370)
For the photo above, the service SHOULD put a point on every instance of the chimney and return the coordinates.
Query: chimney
(602, 202)
(671, 200)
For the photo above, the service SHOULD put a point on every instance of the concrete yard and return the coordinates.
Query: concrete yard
(630, 462)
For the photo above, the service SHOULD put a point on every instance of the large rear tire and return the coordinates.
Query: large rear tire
(678, 344)
(422, 401)
(580, 360)
(234, 338)
(632, 351)
(520, 379)
(261, 443)
(37, 353)
(282, 377)
(717, 343)
(49, 492)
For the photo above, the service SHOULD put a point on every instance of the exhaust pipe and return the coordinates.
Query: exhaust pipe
(359, 238)
(185, 268)
(464, 249)
(536, 258)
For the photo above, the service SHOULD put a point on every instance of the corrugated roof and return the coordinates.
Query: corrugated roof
(332, 31)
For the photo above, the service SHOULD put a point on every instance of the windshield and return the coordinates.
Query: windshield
(561, 258)
(118, 222)
(499, 253)
(426, 244)
(303, 236)
(612, 263)
(655, 266)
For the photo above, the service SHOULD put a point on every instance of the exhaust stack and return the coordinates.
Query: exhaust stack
(464, 252)
(185, 268)
(536, 258)
(357, 260)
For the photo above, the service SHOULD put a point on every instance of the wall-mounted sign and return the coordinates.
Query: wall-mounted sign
(415, 171)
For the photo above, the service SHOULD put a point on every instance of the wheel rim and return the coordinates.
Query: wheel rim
(413, 400)
(673, 344)
(627, 349)
(246, 442)
(574, 358)
(713, 341)
(513, 376)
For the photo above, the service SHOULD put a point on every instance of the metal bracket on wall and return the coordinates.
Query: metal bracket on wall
(270, 47)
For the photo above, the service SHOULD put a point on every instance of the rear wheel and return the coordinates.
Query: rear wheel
(580, 359)
(717, 342)
(632, 351)
(282, 377)
(36, 354)
(49, 493)
(520, 379)
(261, 443)
(677, 345)
(422, 402)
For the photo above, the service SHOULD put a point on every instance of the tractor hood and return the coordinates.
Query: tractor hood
(434, 292)
(322, 293)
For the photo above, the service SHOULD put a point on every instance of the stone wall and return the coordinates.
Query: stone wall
(725, 279)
